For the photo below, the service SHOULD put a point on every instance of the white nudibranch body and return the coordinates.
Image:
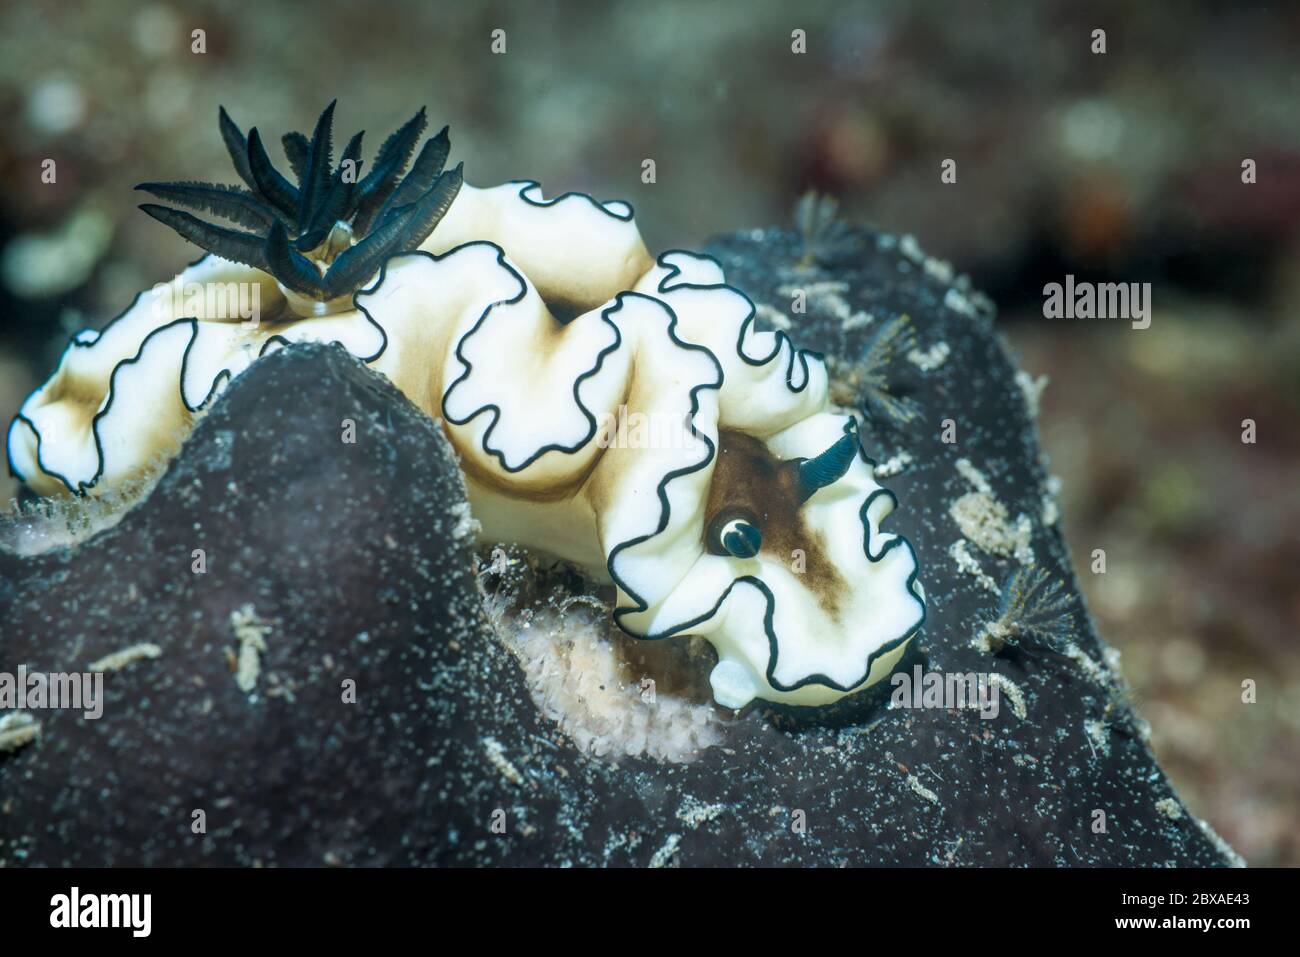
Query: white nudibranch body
(650, 435)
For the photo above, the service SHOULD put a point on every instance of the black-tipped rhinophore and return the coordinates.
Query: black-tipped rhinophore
(826, 468)
(742, 539)
(387, 213)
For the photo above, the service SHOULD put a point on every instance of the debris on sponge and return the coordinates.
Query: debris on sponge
(984, 521)
(250, 631)
(127, 656)
(496, 755)
(1032, 389)
(664, 856)
(695, 812)
(467, 526)
(967, 564)
(18, 729)
(1098, 733)
(1013, 694)
(915, 784)
(1169, 808)
(931, 358)
(1051, 511)
(1094, 670)
(894, 465)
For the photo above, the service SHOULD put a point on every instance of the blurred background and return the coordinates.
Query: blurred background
(1117, 167)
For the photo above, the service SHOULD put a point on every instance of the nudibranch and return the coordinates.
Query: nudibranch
(616, 410)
